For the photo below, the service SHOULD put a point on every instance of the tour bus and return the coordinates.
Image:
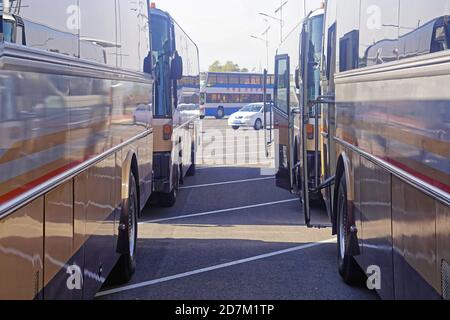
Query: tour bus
(384, 139)
(227, 92)
(177, 83)
(75, 163)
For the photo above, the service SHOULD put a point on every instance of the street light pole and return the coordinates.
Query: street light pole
(274, 18)
(280, 10)
(266, 41)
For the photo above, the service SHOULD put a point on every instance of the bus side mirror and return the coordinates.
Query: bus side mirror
(297, 78)
(176, 69)
(148, 64)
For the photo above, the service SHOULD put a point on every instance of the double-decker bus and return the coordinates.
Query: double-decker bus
(76, 160)
(227, 92)
(177, 95)
(381, 139)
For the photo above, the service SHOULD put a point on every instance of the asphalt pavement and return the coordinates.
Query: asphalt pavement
(233, 235)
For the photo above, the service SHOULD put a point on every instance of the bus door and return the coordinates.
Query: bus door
(316, 215)
(268, 116)
(283, 127)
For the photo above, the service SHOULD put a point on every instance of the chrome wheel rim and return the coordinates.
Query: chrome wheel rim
(132, 224)
(341, 227)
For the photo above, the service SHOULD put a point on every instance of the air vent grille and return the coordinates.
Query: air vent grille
(445, 280)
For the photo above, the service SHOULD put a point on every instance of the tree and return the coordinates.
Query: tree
(229, 66)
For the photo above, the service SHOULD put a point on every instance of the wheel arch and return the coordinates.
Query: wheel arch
(342, 171)
(130, 165)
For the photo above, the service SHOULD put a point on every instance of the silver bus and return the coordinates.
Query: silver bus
(364, 139)
(75, 162)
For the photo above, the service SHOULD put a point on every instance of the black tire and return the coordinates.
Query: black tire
(348, 267)
(258, 125)
(168, 200)
(126, 266)
(235, 127)
(220, 114)
(192, 170)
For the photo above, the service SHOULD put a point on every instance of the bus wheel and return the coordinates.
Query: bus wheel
(348, 267)
(258, 124)
(220, 113)
(127, 263)
(235, 127)
(192, 168)
(168, 200)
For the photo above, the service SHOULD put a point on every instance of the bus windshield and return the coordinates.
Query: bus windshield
(315, 49)
(160, 36)
(8, 29)
(252, 108)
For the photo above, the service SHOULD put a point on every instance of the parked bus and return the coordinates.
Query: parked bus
(226, 93)
(384, 139)
(75, 163)
(176, 64)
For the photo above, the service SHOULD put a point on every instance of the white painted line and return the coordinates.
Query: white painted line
(235, 166)
(219, 211)
(226, 182)
(229, 155)
(213, 268)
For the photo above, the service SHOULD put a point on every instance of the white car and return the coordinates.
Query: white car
(192, 110)
(251, 115)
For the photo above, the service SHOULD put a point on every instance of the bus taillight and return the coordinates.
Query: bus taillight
(310, 131)
(167, 132)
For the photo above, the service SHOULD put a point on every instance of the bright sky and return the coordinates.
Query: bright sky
(222, 28)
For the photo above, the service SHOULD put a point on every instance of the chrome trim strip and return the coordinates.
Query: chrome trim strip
(188, 122)
(28, 59)
(430, 190)
(12, 206)
(400, 68)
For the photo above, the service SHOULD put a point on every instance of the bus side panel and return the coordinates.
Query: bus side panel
(414, 228)
(97, 198)
(145, 165)
(443, 247)
(59, 243)
(22, 253)
(376, 217)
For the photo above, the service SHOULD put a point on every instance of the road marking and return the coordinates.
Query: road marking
(235, 166)
(213, 268)
(226, 182)
(219, 211)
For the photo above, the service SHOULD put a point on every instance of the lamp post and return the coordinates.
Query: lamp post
(280, 10)
(279, 20)
(266, 41)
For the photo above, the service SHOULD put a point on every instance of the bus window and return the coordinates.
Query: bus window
(98, 41)
(212, 80)
(161, 56)
(222, 79)
(315, 54)
(439, 42)
(8, 29)
(245, 80)
(133, 35)
(233, 79)
(160, 37)
(256, 80)
(19, 35)
(282, 86)
(378, 42)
